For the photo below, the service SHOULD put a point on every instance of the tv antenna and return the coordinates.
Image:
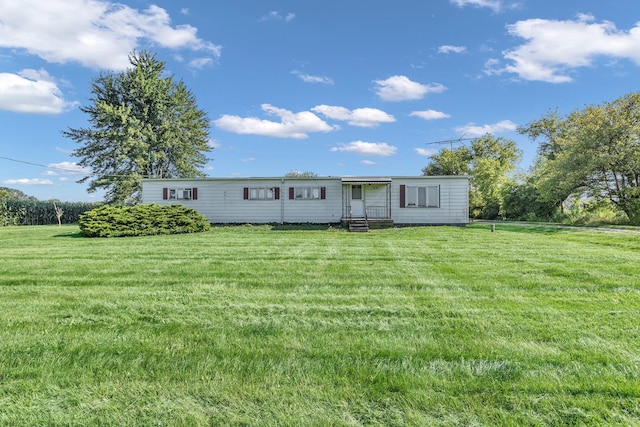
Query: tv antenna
(451, 142)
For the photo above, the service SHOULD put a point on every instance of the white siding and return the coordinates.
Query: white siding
(225, 202)
(376, 194)
(322, 211)
(454, 201)
(222, 201)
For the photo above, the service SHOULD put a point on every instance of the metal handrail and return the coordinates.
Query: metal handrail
(370, 212)
(377, 212)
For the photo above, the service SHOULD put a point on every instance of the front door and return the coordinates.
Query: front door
(357, 201)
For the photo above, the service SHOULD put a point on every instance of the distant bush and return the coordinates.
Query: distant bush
(141, 220)
(584, 213)
(523, 202)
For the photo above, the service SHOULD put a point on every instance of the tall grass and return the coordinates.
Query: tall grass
(261, 326)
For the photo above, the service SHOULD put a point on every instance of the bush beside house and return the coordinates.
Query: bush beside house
(141, 220)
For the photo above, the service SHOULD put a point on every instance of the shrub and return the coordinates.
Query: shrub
(141, 220)
(591, 213)
(523, 201)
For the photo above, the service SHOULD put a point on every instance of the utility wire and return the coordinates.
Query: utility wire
(60, 168)
(39, 165)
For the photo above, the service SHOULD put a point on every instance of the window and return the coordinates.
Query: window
(184, 193)
(261, 193)
(307, 193)
(356, 192)
(179, 193)
(420, 197)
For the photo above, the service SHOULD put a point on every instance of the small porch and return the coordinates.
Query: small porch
(366, 203)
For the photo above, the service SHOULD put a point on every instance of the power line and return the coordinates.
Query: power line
(40, 165)
(60, 168)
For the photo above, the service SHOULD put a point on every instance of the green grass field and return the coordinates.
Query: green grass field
(429, 326)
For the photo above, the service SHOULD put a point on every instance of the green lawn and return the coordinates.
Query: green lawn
(264, 326)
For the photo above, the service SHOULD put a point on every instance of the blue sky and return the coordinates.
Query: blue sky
(357, 87)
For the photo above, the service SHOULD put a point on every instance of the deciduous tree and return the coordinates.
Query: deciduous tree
(454, 161)
(596, 152)
(489, 161)
(300, 174)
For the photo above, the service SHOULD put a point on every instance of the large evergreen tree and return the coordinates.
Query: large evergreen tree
(143, 124)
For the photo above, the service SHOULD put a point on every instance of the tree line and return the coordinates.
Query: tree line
(587, 164)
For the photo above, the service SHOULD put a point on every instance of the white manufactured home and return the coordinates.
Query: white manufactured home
(423, 200)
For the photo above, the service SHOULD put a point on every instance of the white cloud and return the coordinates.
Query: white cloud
(400, 88)
(291, 125)
(368, 162)
(367, 148)
(278, 16)
(200, 63)
(362, 117)
(27, 181)
(308, 78)
(554, 48)
(94, 33)
(495, 5)
(71, 168)
(248, 159)
(472, 130)
(430, 114)
(427, 152)
(31, 91)
(451, 49)
(212, 143)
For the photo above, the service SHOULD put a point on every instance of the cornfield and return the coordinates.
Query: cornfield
(17, 211)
